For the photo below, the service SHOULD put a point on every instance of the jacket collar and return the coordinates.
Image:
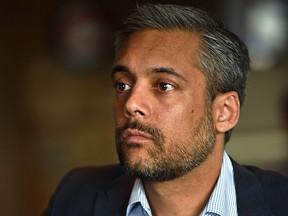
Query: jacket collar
(249, 192)
(113, 200)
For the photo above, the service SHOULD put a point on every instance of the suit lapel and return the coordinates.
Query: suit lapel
(114, 199)
(249, 193)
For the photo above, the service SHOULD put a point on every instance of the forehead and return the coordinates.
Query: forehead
(176, 44)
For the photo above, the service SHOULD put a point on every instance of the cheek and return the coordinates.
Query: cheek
(177, 119)
(180, 112)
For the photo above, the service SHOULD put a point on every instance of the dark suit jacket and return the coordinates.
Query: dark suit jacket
(105, 191)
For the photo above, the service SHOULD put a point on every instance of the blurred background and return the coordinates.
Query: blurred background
(56, 97)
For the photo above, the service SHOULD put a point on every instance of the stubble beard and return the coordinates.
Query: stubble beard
(168, 161)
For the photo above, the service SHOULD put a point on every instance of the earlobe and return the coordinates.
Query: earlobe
(227, 111)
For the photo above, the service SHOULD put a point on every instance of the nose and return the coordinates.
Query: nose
(138, 103)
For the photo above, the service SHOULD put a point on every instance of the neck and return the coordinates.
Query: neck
(188, 194)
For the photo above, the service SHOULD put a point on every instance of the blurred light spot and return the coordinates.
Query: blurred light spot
(266, 36)
(81, 36)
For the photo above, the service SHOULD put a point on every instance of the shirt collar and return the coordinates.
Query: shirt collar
(223, 198)
(138, 195)
(221, 202)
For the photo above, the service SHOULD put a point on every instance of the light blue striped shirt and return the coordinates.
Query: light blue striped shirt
(222, 201)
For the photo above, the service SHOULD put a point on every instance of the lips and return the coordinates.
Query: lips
(135, 135)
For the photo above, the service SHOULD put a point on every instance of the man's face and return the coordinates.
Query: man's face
(164, 127)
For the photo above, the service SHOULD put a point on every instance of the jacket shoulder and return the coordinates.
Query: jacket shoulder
(275, 188)
(272, 182)
(77, 191)
(269, 177)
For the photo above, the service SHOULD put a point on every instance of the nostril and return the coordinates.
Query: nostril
(139, 112)
(135, 113)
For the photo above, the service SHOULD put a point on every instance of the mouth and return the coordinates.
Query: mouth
(133, 135)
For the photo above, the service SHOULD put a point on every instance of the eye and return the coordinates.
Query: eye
(164, 87)
(121, 87)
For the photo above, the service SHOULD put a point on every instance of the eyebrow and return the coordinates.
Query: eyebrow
(167, 70)
(119, 68)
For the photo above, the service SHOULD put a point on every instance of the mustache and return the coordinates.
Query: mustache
(155, 133)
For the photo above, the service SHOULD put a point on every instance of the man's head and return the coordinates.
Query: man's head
(222, 56)
(180, 79)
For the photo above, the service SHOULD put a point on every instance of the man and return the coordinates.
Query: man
(180, 79)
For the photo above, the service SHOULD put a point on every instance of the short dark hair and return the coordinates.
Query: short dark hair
(222, 56)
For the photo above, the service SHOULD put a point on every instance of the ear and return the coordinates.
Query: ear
(226, 109)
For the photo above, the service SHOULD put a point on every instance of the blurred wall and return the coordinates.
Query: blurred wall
(56, 111)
